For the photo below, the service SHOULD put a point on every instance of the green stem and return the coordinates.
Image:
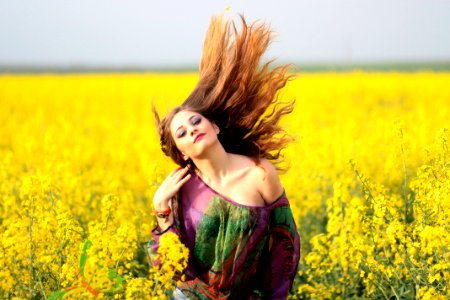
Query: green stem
(30, 234)
(404, 177)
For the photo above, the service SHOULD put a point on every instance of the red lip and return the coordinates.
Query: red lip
(199, 136)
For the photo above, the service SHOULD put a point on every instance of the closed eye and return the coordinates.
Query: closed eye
(181, 133)
(196, 120)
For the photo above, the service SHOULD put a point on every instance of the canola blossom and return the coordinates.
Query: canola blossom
(368, 179)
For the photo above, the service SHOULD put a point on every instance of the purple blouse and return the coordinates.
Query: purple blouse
(236, 251)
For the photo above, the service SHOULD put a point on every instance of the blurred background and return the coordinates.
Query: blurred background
(102, 35)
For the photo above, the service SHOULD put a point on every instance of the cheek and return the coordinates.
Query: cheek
(181, 145)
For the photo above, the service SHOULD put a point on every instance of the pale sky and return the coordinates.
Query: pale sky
(165, 33)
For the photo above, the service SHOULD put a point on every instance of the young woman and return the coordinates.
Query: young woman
(226, 201)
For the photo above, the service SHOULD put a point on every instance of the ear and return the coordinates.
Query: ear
(216, 128)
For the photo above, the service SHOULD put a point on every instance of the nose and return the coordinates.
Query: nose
(192, 130)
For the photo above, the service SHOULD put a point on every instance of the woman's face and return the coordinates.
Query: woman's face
(192, 133)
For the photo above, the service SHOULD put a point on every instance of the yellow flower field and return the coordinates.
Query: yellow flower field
(368, 182)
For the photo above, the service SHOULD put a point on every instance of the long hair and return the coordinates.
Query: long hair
(235, 92)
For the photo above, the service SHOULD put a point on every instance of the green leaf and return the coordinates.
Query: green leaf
(83, 256)
(119, 279)
(57, 295)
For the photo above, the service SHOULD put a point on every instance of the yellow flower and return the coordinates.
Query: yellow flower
(368, 187)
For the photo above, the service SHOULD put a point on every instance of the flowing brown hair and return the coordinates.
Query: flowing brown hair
(234, 92)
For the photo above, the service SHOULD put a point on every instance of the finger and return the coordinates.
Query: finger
(183, 180)
(173, 172)
(181, 173)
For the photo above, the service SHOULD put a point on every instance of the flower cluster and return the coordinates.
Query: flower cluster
(373, 193)
(368, 183)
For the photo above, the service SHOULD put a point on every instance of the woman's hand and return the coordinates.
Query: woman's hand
(169, 187)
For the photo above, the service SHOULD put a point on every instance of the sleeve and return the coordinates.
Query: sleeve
(153, 244)
(284, 250)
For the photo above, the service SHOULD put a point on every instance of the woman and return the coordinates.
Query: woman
(226, 201)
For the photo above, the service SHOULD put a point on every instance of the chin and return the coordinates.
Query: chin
(204, 146)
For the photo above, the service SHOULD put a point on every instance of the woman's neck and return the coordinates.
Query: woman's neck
(215, 165)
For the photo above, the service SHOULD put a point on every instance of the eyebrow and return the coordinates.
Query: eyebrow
(182, 125)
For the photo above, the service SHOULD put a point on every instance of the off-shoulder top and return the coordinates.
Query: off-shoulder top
(236, 251)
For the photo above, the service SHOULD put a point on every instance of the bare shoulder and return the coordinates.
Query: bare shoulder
(267, 181)
(262, 178)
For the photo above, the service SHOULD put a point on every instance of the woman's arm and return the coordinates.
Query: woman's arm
(284, 250)
(162, 199)
(284, 247)
(164, 208)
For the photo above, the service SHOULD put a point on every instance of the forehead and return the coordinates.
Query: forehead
(181, 118)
